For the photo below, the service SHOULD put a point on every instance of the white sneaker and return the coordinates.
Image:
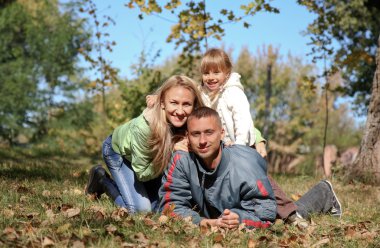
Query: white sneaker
(336, 210)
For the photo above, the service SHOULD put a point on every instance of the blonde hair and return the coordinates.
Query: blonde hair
(162, 140)
(215, 59)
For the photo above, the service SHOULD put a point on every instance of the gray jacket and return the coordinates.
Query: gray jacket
(239, 183)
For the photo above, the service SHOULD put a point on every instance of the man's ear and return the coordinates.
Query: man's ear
(223, 133)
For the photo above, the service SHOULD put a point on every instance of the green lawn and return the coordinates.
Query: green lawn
(43, 205)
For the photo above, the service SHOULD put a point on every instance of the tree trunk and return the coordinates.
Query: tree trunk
(366, 167)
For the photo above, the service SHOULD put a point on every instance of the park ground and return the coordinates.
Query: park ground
(43, 205)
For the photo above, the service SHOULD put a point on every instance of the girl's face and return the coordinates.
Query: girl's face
(178, 103)
(214, 79)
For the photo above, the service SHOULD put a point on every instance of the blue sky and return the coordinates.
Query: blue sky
(131, 34)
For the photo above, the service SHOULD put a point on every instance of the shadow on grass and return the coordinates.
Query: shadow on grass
(15, 165)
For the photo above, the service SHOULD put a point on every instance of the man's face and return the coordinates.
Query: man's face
(205, 135)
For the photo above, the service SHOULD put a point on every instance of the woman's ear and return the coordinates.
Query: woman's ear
(162, 105)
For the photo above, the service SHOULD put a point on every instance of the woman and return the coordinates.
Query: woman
(138, 151)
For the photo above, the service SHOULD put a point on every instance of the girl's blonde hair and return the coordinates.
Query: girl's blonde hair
(162, 139)
(215, 59)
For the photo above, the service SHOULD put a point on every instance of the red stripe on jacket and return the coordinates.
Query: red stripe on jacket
(257, 224)
(169, 180)
(262, 189)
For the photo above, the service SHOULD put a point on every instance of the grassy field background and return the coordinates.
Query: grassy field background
(43, 205)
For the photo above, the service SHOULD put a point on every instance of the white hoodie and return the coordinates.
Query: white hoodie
(234, 110)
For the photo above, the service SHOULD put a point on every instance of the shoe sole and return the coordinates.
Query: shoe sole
(92, 174)
(336, 198)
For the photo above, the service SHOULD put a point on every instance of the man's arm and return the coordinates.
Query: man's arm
(258, 205)
(175, 192)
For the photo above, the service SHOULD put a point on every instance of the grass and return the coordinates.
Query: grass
(42, 205)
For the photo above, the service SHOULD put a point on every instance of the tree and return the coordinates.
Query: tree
(38, 55)
(296, 108)
(354, 25)
(366, 167)
(195, 23)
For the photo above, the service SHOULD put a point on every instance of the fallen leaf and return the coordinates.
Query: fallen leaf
(47, 242)
(219, 237)
(140, 238)
(296, 197)
(251, 243)
(8, 213)
(50, 214)
(76, 192)
(217, 245)
(69, 213)
(149, 222)
(111, 228)
(321, 242)
(119, 213)
(76, 174)
(32, 215)
(23, 199)
(78, 244)
(163, 219)
(169, 210)
(63, 228)
(46, 193)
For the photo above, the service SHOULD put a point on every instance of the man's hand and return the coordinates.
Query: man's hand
(260, 148)
(229, 219)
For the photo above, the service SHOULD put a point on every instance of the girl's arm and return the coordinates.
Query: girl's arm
(239, 106)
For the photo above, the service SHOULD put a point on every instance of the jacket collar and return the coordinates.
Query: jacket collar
(222, 166)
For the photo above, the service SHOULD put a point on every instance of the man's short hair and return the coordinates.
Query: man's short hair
(203, 112)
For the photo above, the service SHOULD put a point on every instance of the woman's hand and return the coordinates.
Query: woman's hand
(261, 149)
(150, 100)
(182, 145)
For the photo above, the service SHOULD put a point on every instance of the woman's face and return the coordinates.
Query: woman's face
(178, 103)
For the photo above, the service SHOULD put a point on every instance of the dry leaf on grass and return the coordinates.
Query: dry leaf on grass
(119, 213)
(252, 243)
(47, 242)
(63, 228)
(78, 244)
(71, 212)
(140, 238)
(149, 222)
(8, 213)
(163, 219)
(321, 242)
(46, 193)
(111, 228)
(295, 197)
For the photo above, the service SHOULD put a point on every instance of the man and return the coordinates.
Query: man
(225, 186)
(214, 184)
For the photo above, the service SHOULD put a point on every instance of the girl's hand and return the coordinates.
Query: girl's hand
(150, 100)
(260, 147)
(229, 143)
(182, 145)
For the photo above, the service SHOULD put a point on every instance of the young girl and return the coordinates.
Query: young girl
(222, 91)
(138, 151)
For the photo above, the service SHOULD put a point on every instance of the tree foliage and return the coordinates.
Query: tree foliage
(195, 24)
(355, 26)
(38, 54)
(296, 108)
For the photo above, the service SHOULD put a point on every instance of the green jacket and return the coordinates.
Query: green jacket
(131, 141)
(259, 138)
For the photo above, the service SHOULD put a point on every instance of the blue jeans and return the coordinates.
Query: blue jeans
(135, 196)
(318, 199)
